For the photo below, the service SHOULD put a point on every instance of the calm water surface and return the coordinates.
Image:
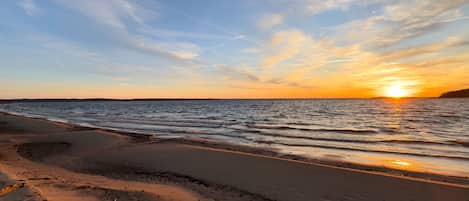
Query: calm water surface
(430, 135)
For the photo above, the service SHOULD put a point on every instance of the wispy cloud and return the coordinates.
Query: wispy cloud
(175, 50)
(62, 46)
(287, 58)
(425, 17)
(119, 15)
(251, 50)
(165, 33)
(247, 76)
(438, 62)
(89, 62)
(269, 21)
(420, 50)
(317, 6)
(237, 73)
(284, 45)
(112, 13)
(29, 7)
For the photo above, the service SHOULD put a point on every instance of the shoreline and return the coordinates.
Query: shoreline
(104, 162)
(266, 152)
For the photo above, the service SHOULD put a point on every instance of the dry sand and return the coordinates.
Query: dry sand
(62, 162)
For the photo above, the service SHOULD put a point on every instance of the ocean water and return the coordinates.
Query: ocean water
(425, 135)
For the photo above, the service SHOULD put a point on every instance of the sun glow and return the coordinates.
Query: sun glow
(397, 90)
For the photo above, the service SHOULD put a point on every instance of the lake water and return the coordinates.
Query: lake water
(429, 135)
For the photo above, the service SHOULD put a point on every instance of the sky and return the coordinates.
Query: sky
(232, 49)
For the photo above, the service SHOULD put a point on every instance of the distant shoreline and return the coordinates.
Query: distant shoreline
(463, 93)
(97, 99)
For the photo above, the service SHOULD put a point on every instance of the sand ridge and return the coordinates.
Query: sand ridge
(56, 183)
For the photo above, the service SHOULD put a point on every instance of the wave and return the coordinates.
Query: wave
(451, 116)
(183, 129)
(175, 124)
(363, 150)
(334, 130)
(417, 142)
(303, 124)
(165, 132)
(60, 120)
(464, 143)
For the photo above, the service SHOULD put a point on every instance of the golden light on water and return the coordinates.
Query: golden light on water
(400, 163)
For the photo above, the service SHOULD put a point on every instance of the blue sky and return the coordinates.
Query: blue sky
(231, 49)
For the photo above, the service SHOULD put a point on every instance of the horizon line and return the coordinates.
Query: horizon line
(185, 99)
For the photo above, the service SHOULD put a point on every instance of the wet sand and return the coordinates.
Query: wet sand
(62, 162)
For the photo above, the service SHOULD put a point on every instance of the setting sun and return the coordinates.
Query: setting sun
(395, 92)
(399, 89)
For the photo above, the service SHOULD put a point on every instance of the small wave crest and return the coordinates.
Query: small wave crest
(334, 130)
(364, 150)
(464, 143)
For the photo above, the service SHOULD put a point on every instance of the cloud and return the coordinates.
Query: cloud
(237, 73)
(174, 50)
(284, 45)
(179, 53)
(424, 16)
(90, 62)
(245, 75)
(238, 37)
(455, 19)
(314, 7)
(251, 50)
(397, 22)
(269, 21)
(318, 6)
(409, 52)
(29, 7)
(289, 83)
(286, 60)
(165, 33)
(297, 51)
(118, 15)
(444, 62)
(62, 46)
(124, 71)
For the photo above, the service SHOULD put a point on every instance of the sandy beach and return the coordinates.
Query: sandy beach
(43, 160)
